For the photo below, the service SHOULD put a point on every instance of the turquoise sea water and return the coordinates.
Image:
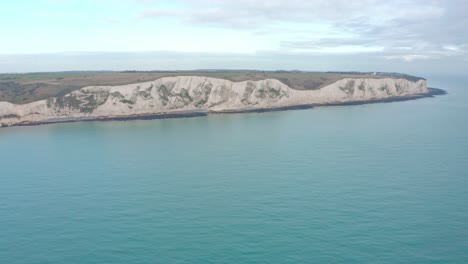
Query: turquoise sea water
(379, 183)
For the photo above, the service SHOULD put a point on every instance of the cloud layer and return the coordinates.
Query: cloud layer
(408, 30)
(365, 35)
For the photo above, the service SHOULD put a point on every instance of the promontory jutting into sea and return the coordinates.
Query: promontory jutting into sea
(134, 95)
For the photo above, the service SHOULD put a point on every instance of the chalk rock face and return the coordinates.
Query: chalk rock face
(201, 94)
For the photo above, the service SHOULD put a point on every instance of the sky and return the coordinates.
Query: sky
(419, 36)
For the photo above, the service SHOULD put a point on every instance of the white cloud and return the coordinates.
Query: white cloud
(279, 33)
(408, 58)
(422, 27)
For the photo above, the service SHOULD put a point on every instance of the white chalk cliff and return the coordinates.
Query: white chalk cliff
(186, 94)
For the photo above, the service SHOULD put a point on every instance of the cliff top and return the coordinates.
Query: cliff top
(30, 87)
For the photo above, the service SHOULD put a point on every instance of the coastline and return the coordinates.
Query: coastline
(187, 114)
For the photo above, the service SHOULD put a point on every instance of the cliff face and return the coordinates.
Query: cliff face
(193, 93)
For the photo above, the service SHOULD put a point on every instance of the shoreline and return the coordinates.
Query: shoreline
(187, 114)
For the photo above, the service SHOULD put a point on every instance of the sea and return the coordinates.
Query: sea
(375, 183)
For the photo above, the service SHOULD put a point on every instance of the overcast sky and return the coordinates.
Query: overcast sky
(405, 36)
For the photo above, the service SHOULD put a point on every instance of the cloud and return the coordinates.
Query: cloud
(407, 57)
(422, 27)
(368, 35)
(158, 13)
(339, 12)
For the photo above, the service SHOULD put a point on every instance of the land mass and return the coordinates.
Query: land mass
(38, 98)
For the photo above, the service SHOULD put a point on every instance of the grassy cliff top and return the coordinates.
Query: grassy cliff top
(30, 87)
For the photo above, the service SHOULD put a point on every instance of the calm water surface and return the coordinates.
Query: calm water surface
(380, 183)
